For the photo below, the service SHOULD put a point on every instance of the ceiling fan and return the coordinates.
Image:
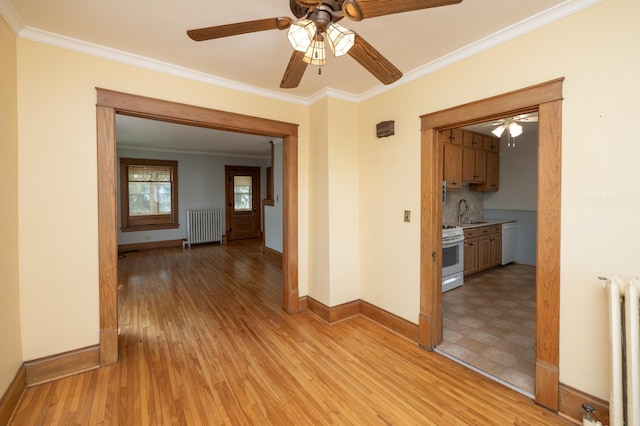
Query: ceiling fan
(317, 21)
(513, 124)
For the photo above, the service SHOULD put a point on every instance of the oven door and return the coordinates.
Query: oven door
(452, 258)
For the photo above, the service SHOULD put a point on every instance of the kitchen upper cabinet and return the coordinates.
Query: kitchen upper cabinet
(492, 181)
(470, 157)
(451, 142)
(452, 165)
(474, 165)
(490, 143)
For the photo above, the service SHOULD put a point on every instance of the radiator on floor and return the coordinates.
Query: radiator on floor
(624, 308)
(204, 226)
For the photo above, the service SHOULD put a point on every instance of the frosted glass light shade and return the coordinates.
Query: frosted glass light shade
(515, 129)
(301, 34)
(315, 53)
(498, 130)
(340, 39)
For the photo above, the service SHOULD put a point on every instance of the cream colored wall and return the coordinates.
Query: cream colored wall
(57, 182)
(318, 193)
(343, 201)
(333, 202)
(11, 346)
(596, 50)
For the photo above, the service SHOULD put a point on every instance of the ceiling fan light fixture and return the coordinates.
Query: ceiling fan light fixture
(315, 53)
(340, 39)
(515, 129)
(498, 130)
(301, 33)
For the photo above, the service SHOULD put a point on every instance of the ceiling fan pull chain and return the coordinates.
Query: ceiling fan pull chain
(319, 71)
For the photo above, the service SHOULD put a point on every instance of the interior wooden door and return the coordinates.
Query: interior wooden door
(243, 202)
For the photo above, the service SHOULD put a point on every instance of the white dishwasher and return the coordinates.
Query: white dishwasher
(509, 242)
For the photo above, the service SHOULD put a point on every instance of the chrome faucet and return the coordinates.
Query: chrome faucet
(460, 212)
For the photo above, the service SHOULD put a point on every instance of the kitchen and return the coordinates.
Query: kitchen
(491, 289)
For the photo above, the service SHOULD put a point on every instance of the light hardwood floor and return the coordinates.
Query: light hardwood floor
(203, 341)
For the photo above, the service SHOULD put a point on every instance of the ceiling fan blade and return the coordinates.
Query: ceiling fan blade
(294, 72)
(363, 9)
(239, 28)
(526, 118)
(367, 56)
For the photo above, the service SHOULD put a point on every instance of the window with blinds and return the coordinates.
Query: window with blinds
(149, 194)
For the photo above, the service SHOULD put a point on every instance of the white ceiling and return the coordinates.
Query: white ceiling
(145, 134)
(156, 29)
(153, 33)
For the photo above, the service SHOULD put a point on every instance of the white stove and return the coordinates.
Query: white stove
(452, 257)
(452, 233)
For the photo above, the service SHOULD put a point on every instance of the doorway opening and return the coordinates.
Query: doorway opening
(546, 99)
(109, 103)
(489, 319)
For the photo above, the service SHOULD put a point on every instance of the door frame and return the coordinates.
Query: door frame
(109, 103)
(546, 99)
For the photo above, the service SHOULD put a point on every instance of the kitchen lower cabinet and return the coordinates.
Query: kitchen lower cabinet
(482, 248)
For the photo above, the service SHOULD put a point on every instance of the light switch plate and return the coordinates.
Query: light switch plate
(407, 215)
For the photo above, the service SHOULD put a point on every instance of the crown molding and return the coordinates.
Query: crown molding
(92, 49)
(518, 29)
(11, 16)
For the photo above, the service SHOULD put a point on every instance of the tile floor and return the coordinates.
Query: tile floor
(489, 323)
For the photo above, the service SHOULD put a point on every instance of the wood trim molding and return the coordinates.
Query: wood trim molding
(384, 318)
(571, 401)
(546, 99)
(12, 395)
(65, 364)
(107, 233)
(334, 314)
(110, 103)
(151, 245)
(397, 324)
(272, 253)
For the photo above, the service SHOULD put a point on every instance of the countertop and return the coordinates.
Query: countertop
(485, 222)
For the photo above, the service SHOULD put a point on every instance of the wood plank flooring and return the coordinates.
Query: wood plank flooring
(204, 341)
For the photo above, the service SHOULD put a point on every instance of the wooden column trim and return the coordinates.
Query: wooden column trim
(548, 254)
(107, 234)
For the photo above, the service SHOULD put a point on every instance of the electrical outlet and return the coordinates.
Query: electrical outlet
(407, 215)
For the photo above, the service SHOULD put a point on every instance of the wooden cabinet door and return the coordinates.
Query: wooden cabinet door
(493, 172)
(480, 166)
(470, 256)
(496, 249)
(468, 164)
(452, 165)
(484, 252)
